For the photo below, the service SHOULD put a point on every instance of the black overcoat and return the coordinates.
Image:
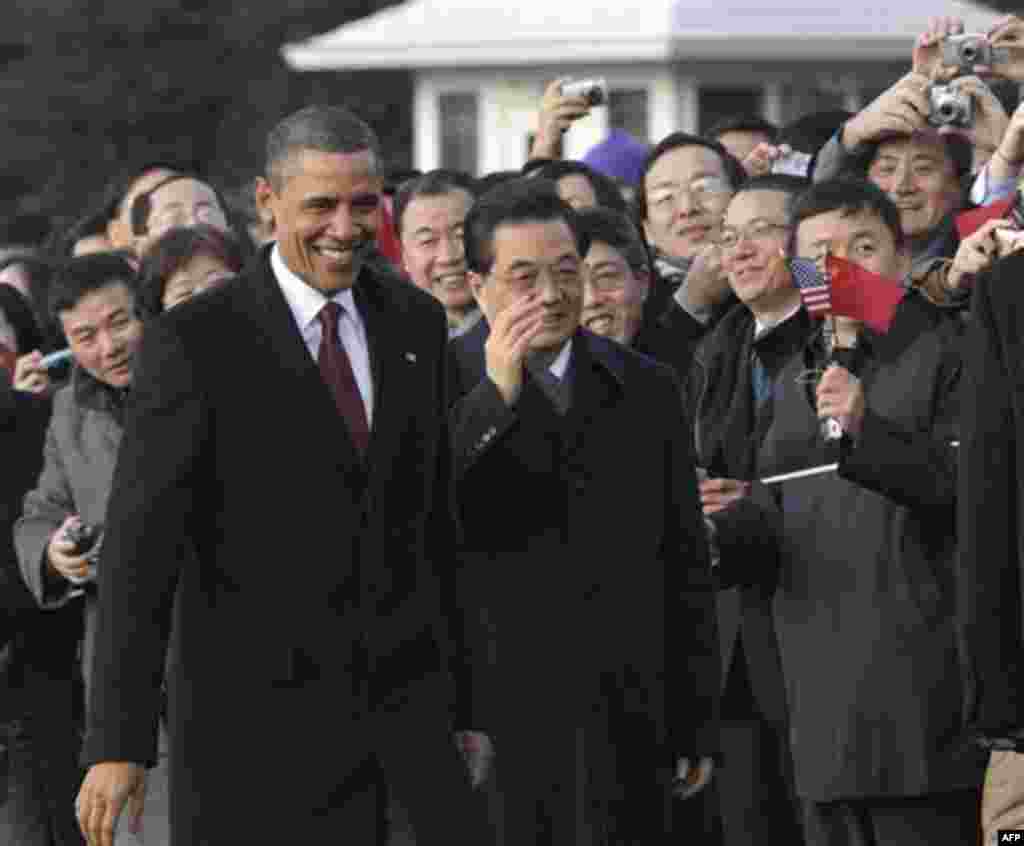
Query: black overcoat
(587, 568)
(312, 625)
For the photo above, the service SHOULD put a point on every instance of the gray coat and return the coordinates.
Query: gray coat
(79, 457)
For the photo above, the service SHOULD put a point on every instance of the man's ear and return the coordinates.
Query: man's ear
(476, 286)
(264, 193)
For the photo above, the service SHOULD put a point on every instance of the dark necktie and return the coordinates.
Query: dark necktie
(555, 389)
(336, 370)
(760, 381)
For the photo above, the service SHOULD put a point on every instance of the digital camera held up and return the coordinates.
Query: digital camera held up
(594, 91)
(966, 51)
(950, 107)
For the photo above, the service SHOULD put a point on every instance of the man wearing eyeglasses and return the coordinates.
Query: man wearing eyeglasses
(685, 187)
(731, 389)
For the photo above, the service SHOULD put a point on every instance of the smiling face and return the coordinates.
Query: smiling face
(325, 215)
(104, 333)
(529, 257)
(613, 294)
(920, 178)
(753, 264)
(686, 191)
(433, 252)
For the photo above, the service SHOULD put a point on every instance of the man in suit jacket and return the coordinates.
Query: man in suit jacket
(595, 670)
(293, 425)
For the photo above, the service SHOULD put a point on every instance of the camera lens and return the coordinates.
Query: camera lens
(969, 53)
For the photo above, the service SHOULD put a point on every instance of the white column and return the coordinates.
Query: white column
(426, 146)
(517, 102)
(663, 106)
(772, 107)
(490, 141)
(689, 105)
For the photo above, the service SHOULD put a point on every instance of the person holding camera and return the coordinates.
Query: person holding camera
(59, 531)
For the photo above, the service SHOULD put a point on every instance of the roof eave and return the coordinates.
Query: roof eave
(707, 47)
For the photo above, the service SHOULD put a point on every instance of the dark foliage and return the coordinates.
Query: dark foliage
(89, 86)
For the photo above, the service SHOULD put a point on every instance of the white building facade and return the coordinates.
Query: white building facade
(479, 68)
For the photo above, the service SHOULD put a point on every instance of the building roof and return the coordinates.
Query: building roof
(481, 33)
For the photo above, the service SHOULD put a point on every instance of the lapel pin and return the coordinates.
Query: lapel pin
(410, 357)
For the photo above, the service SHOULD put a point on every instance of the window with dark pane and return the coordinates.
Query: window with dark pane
(719, 103)
(459, 132)
(627, 110)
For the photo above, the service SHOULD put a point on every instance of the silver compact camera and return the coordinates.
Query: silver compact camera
(966, 51)
(950, 107)
(594, 91)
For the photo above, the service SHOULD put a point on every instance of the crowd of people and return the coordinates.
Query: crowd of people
(541, 507)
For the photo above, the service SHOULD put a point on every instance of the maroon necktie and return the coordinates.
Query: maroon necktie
(336, 370)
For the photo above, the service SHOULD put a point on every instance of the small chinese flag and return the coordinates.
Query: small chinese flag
(862, 295)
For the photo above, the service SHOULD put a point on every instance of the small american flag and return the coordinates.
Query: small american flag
(814, 288)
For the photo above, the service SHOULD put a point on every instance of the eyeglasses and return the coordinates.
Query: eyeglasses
(729, 238)
(699, 191)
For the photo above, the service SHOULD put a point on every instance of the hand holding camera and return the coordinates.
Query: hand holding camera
(73, 549)
(901, 109)
(563, 103)
(929, 52)
(768, 158)
(968, 107)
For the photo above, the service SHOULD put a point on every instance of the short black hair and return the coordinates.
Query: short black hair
(616, 230)
(734, 172)
(39, 271)
(434, 183)
(607, 192)
(326, 129)
(522, 200)
(79, 277)
(173, 251)
(495, 178)
(16, 308)
(848, 196)
(744, 123)
(783, 182)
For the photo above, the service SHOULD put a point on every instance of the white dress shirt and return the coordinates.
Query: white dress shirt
(306, 304)
(561, 362)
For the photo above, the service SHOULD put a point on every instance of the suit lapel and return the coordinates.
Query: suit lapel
(387, 365)
(303, 384)
(594, 388)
